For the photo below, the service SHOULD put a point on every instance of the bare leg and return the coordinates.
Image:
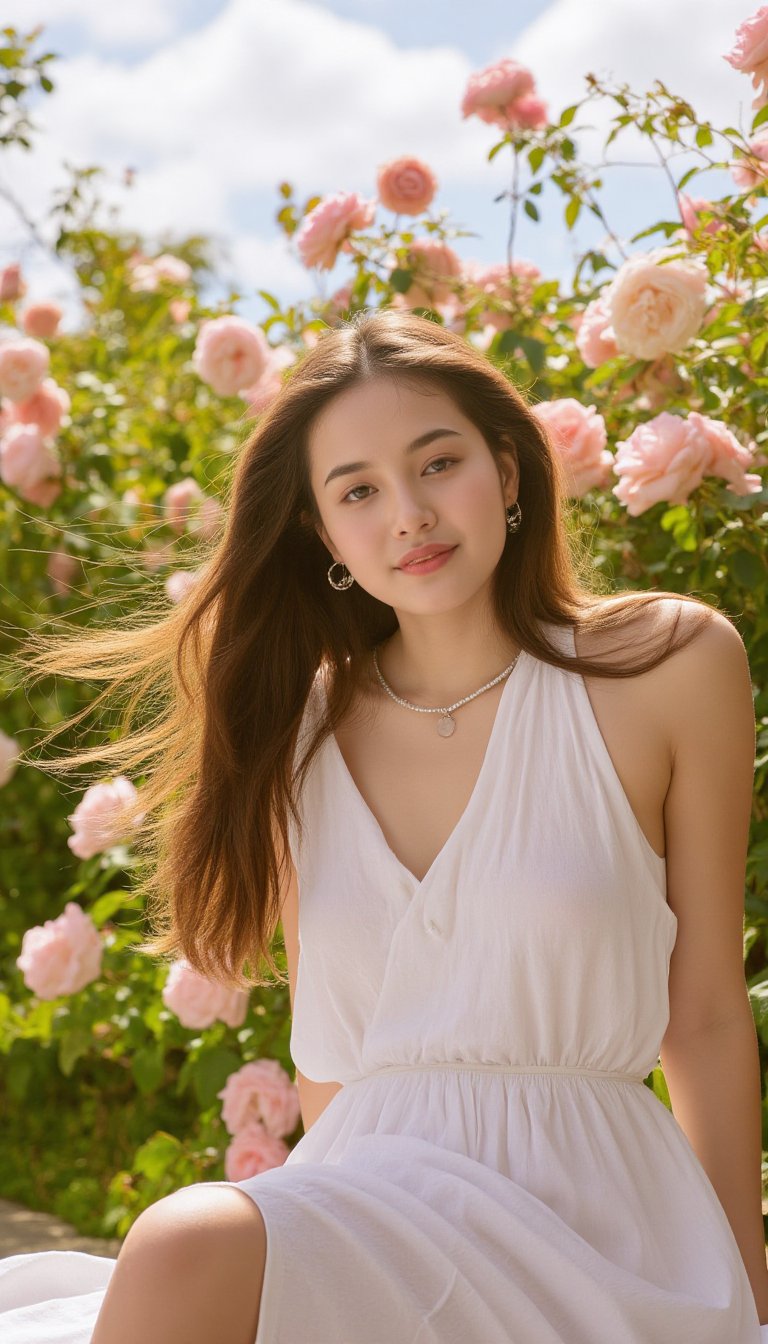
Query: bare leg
(190, 1271)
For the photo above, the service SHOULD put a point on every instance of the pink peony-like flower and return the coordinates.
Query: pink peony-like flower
(491, 93)
(327, 227)
(433, 264)
(198, 1002)
(656, 307)
(147, 274)
(44, 408)
(9, 756)
(751, 168)
(728, 458)
(29, 464)
(595, 340)
(42, 320)
(251, 1151)
(104, 815)
(12, 286)
(663, 459)
(180, 583)
(750, 52)
(260, 1091)
(230, 354)
(406, 185)
(24, 364)
(178, 500)
(579, 435)
(62, 955)
(180, 310)
(528, 114)
(690, 208)
(61, 569)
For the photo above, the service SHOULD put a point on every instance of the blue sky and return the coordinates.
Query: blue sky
(213, 102)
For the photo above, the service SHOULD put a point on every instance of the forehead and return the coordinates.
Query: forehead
(390, 406)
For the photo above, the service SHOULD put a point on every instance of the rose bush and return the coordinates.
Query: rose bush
(649, 373)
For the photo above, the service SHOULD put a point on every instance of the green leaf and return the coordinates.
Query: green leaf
(760, 117)
(536, 158)
(567, 115)
(106, 906)
(400, 279)
(572, 211)
(148, 1068)
(703, 137)
(530, 210)
(72, 1046)
(748, 569)
(157, 1155)
(212, 1070)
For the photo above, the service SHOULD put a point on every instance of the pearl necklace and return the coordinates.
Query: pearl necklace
(446, 724)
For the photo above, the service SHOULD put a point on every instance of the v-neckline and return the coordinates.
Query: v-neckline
(417, 884)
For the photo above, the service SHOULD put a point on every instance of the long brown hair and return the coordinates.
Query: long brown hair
(220, 682)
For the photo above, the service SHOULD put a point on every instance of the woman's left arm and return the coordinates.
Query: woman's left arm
(710, 1054)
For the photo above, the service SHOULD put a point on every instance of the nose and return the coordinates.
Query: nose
(411, 512)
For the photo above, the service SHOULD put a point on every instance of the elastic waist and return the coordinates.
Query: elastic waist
(468, 1066)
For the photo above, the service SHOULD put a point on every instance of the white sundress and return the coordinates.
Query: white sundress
(493, 1170)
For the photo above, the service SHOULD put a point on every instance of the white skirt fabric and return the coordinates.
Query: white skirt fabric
(494, 1169)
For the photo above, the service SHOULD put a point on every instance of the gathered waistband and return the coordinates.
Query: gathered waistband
(468, 1066)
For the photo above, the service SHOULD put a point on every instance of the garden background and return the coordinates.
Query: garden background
(608, 249)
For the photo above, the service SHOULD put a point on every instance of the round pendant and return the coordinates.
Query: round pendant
(446, 725)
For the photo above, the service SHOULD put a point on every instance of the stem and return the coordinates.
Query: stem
(515, 196)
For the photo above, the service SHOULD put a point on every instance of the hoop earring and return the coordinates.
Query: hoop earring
(346, 582)
(514, 519)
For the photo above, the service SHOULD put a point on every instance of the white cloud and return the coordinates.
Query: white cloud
(141, 21)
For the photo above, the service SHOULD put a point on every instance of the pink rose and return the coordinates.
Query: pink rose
(322, 232)
(406, 185)
(44, 408)
(528, 114)
(251, 1151)
(180, 583)
(198, 1002)
(491, 93)
(12, 286)
(178, 500)
(690, 207)
(29, 464)
(433, 264)
(595, 340)
(9, 756)
(62, 955)
(502, 285)
(260, 1091)
(656, 307)
(230, 354)
(148, 274)
(663, 459)
(62, 568)
(206, 518)
(103, 816)
(728, 458)
(180, 310)
(750, 52)
(751, 168)
(168, 267)
(42, 320)
(23, 366)
(579, 435)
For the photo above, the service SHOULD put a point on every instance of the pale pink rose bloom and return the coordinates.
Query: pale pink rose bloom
(24, 364)
(433, 263)
(728, 458)
(180, 583)
(148, 273)
(492, 92)
(528, 114)
(230, 354)
(43, 493)
(206, 518)
(178, 500)
(198, 1001)
(42, 320)
(655, 308)
(595, 340)
(168, 267)
(44, 408)
(751, 168)
(62, 955)
(750, 52)
(28, 462)
(263, 393)
(406, 185)
(260, 1091)
(663, 459)
(251, 1151)
(180, 310)
(104, 815)
(579, 435)
(327, 227)
(499, 282)
(283, 355)
(9, 756)
(12, 286)
(62, 568)
(689, 211)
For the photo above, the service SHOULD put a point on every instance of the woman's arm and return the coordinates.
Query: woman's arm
(709, 1053)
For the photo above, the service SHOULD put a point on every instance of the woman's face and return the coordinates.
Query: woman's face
(381, 494)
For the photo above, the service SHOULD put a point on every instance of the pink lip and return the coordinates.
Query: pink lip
(434, 561)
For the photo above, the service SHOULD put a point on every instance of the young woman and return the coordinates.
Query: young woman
(503, 820)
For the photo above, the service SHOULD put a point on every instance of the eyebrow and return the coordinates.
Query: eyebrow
(421, 442)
